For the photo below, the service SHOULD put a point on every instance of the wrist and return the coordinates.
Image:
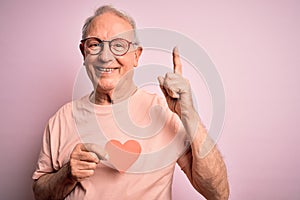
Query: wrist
(69, 175)
(189, 115)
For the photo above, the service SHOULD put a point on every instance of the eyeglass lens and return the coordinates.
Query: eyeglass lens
(117, 46)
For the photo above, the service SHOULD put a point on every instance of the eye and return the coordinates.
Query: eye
(92, 43)
(119, 45)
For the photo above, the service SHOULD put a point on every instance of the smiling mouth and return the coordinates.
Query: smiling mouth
(105, 70)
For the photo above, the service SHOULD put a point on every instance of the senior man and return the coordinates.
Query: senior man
(71, 168)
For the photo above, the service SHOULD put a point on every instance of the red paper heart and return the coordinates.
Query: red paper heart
(122, 156)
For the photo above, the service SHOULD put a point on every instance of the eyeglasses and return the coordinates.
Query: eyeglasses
(117, 46)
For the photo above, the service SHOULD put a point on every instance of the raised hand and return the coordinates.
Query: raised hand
(176, 89)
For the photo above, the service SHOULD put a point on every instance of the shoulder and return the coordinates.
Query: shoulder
(65, 113)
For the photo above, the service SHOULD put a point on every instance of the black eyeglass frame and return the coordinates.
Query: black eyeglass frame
(109, 43)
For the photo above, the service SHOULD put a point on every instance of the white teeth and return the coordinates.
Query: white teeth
(105, 69)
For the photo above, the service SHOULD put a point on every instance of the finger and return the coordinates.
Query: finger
(88, 157)
(176, 61)
(98, 150)
(168, 92)
(95, 156)
(161, 81)
(172, 93)
(80, 152)
(80, 147)
(83, 174)
(82, 165)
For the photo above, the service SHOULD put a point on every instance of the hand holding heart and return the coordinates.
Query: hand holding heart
(176, 89)
(84, 159)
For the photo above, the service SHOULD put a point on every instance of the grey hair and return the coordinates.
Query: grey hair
(108, 9)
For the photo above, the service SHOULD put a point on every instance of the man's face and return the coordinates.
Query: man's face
(106, 69)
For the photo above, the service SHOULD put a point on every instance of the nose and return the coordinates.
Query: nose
(105, 54)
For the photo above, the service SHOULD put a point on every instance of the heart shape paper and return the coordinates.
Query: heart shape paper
(122, 156)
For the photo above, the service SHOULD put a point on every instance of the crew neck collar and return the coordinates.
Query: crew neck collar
(106, 108)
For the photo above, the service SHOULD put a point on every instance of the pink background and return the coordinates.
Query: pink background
(254, 45)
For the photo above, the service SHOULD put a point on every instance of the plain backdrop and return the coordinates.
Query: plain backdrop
(254, 45)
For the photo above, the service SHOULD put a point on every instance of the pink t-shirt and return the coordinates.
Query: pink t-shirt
(145, 119)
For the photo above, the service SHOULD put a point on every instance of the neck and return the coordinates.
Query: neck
(101, 98)
(116, 95)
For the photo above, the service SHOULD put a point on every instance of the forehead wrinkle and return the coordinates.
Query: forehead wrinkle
(108, 25)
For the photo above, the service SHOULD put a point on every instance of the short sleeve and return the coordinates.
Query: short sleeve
(44, 164)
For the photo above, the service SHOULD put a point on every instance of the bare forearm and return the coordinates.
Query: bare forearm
(55, 185)
(207, 171)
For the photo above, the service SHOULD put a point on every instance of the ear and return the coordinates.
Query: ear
(82, 50)
(137, 54)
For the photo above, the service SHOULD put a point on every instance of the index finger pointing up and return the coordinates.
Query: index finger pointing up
(176, 61)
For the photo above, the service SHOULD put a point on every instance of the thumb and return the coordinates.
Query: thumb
(98, 150)
(161, 80)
